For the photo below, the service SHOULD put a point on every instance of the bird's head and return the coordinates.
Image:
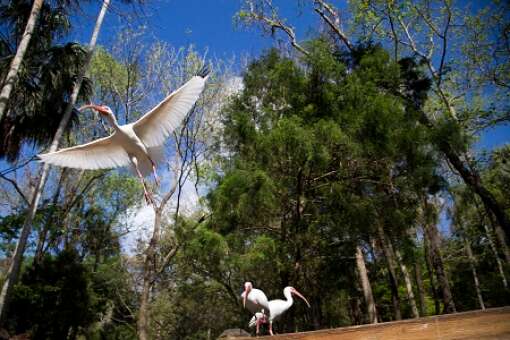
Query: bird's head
(294, 291)
(247, 288)
(103, 110)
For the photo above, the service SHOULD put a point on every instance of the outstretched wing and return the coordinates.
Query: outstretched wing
(103, 153)
(157, 124)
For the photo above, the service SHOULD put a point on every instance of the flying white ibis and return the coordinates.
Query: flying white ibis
(255, 301)
(277, 308)
(139, 144)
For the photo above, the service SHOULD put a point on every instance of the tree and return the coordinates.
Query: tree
(55, 298)
(11, 77)
(437, 38)
(434, 249)
(44, 83)
(388, 16)
(311, 162)
(13, 271)
(365, 283)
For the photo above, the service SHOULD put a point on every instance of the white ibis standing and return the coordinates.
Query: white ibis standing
(277, 308)
(255, 301)
(138, 144)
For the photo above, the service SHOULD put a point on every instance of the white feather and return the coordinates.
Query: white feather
(157, 124)
(256, 301)
(103, 153)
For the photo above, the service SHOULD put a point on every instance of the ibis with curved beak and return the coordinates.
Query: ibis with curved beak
(138, 144)
(277, 308)
(255, 301)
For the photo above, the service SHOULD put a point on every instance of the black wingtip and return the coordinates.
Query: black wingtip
(204, 71)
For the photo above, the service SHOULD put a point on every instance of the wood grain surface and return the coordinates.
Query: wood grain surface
(492, 323)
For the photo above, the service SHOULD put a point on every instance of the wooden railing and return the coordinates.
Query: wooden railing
(493, 323)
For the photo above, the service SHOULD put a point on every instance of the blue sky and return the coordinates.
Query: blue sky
(205, 23)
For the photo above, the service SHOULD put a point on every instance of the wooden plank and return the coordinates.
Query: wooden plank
(492, 323)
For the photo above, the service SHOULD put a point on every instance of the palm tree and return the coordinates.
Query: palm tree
(39, 103)
(14, 268)
(12, 75)
(45, 79)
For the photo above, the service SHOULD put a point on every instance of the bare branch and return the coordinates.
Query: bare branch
(445, 42)
(271, 23)
(334, 24)
(169, 256)
(428, 60)
(428, 21)
(19, 166)
(16, 187)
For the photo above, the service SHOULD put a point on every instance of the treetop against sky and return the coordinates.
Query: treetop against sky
(210, 25)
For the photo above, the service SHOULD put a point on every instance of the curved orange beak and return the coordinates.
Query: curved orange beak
(294, 291)
(98, 108)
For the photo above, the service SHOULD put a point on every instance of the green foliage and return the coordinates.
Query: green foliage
(318, 148)
(316, 152)
(55, 298)
(235, 197)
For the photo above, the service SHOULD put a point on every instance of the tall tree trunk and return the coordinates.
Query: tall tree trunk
(409, 286)
(355, 311)
(430, 271)
(12, 75)
(500, 234)
(472, 265)
(392, 270)
(437, 261)
(13, 271)
(418, 273)
(365, 285)
(421, 290)
(496, 256)
(472, 178)
(149, 267)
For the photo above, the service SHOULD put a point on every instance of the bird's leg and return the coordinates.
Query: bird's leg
(271, 328)
(257, 327)
(147, 195)
(156, 178)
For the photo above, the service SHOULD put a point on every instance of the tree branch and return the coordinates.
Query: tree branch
(272, 23)
(334, 25)
(16, 187)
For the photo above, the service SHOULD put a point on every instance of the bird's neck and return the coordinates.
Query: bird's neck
(112, 121)
(289, 300)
